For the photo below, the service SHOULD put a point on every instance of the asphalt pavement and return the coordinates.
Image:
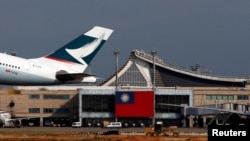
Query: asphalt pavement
(138, 130)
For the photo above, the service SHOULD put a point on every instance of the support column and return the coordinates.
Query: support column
(80, 119)
(191, 121)
(204, 119)
(41, 122)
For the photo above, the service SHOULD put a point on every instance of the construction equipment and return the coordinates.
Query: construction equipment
(158, 130)
(170, 132)
(105, 123)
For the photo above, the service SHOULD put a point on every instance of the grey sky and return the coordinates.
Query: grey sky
(213, 33)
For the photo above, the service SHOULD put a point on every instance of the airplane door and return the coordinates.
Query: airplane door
(26, 67)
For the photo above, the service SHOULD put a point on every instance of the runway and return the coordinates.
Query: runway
(100, 130)
(94, 133)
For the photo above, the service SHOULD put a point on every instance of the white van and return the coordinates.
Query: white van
(114, 125)
(76, 124)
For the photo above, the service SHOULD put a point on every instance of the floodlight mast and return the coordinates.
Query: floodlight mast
(153, 53)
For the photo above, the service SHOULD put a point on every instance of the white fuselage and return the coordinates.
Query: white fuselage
(5, 119)
(40, 71)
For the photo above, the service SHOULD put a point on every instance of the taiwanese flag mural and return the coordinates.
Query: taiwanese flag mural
(134, 104)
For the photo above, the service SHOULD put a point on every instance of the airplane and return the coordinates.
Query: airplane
(7, 121)
(66, 65)
(233, 116)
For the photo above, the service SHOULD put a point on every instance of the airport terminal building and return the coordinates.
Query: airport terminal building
(131, 95)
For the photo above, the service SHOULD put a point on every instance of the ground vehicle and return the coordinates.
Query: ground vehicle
(112, 124)
(163, 132)
(76, 124)
(159, 130)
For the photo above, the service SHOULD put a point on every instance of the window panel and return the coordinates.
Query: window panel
(34, 96)
(34, 110)
(51, 96)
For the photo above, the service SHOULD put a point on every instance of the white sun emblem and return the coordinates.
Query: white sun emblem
(125, 98)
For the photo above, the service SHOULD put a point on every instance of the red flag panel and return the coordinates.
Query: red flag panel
(134, 104)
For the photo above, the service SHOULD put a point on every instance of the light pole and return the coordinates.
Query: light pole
(116, 53)
(153, 53)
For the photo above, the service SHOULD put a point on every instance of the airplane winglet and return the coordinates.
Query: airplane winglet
(97, 30)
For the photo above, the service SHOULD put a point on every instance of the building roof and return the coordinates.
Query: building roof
(138, 71)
